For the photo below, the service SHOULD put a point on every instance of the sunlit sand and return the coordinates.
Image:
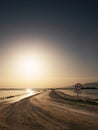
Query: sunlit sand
(49, 110)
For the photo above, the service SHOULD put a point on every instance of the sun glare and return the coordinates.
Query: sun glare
(30, 92)
(30, 66)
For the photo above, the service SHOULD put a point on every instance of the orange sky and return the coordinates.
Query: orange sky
(53, 68)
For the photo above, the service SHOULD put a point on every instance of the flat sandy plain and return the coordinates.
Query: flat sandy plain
(49, 110)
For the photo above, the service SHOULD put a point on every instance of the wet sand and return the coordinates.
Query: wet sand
(48, 110)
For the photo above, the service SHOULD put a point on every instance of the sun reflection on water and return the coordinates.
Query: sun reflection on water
(30, 92)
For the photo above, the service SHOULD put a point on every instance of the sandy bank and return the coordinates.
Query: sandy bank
(48, 111)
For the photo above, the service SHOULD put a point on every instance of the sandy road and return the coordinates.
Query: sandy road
(48, 111)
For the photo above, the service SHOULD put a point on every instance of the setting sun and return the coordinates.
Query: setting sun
(30, 66)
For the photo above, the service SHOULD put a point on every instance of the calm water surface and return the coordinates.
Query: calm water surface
(15, 95)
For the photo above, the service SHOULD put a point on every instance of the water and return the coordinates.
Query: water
(15, 95)
(5, 93)
(87, 93)
(91, 93)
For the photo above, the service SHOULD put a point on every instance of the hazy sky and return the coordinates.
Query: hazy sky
(61, 35)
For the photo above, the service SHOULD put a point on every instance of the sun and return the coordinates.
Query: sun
(30, 66)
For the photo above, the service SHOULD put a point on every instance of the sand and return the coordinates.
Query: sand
(48, 110)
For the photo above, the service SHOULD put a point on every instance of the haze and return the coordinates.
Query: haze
(48, 44)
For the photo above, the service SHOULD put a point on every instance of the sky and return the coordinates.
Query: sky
(48, 43)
